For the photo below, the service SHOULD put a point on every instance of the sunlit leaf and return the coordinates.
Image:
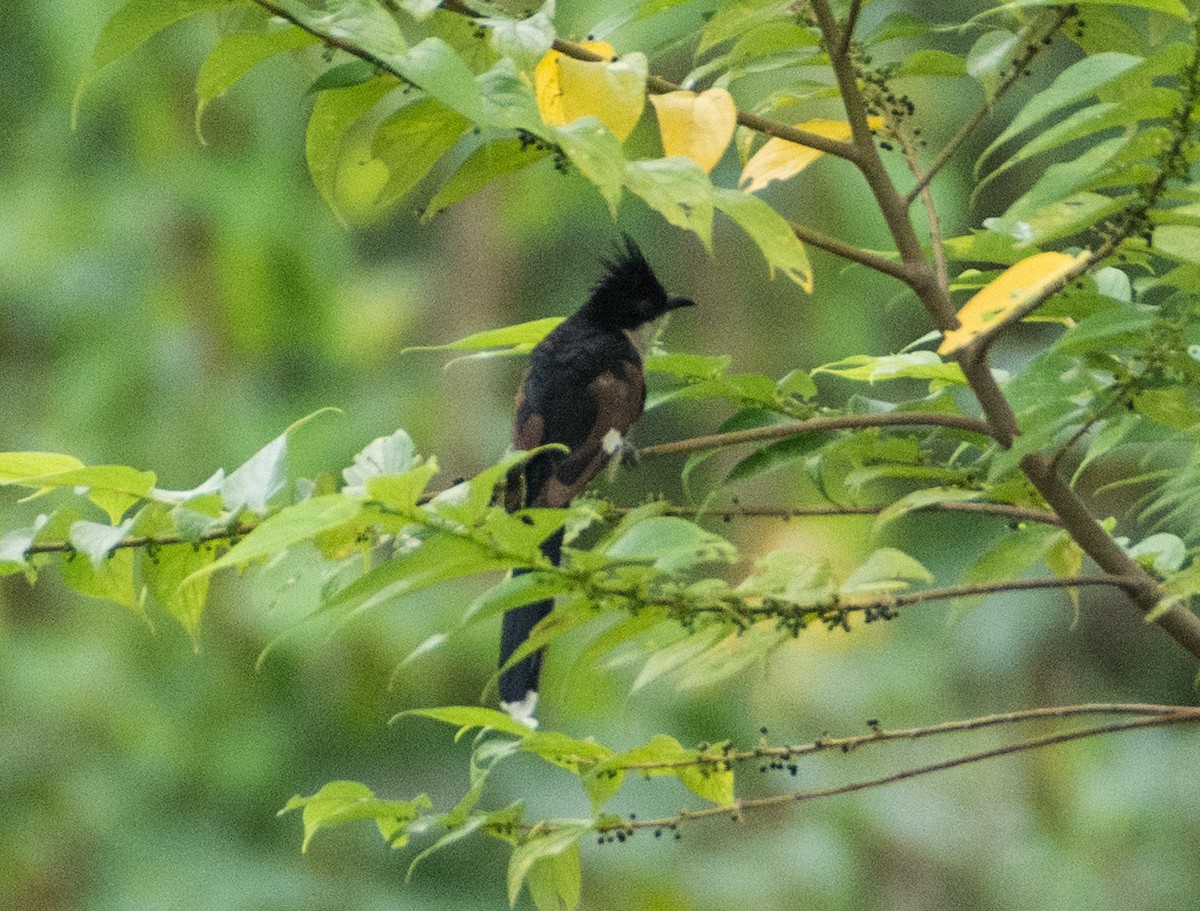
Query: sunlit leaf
(696, 126)
(468, 717)
(411, 141)
(540, 849)
(886, 569)
(914, 365)
(333, 115)
(596, 152)
(780, 159)
(340, 802)
(612, 90)
(110, 580)
(1004, 299)
(520, 337)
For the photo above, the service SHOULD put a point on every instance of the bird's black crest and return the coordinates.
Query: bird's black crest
(629, 293)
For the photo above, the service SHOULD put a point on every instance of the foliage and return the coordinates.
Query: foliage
(420, 99)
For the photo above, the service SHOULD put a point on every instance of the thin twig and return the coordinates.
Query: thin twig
(818, 425)
(1175, 716)
(1034, 38)
(881, 735)
(1000, 510)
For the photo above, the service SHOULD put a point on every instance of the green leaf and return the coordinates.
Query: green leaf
(340, 802)
(513, 592)
(770, 231)
(776, 455)
(597, 154)
(1105, 330)
(886, 569)
(798, 383)
(468, 717)
(1079, 81)
(991, 53)
(692, 367)
(236, 55)
(932, 63)
(670, 544)
(539, 848)
(921, 499)
(1179, 242)
(114, 488)
(1058, 220)
(14, 466)
(1173, 8)
(402, 492)
(112, 580)
(344, 76)
(521, 338)
(578, 756)
(1008, 558)
(291, 525)
(678, 189)
(96, 540)
(555, 882)
(433, 559)
(1160, 553)
(411, 141)
(436, 67)
(508, 100)
(130, 27)
(704, 780)
(164, 570)
(388, 455)
(333, 115)
(364, 23)
(1171, 406)
(484, 165)
(915, 365)
(524, 40)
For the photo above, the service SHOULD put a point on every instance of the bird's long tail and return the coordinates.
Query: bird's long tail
(519, 683)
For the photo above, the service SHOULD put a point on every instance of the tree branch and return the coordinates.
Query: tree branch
(1000, 510)
(712, 757)
(848, 251)
(1034, 38)
(1180, 715)
(818, 425)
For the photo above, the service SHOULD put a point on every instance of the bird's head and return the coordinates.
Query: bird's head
(630, 294)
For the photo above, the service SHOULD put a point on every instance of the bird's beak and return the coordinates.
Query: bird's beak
(675, 303)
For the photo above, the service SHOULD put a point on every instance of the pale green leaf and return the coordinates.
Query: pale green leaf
(922, 499)
(333, 115)
(678, 189)
(596, 152)
(467, 717)
(393, 454)
(915, 365)
(112, 580)
(484, 165)
(522, 337)
(886, 569)
(411, 141)
(340, 802)
(164, 570)
(236, 55)
(564, 838)
(130, 27)
(770, 231)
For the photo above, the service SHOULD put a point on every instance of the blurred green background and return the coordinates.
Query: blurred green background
(173, 306)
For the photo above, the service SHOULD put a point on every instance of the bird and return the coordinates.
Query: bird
(584, 389)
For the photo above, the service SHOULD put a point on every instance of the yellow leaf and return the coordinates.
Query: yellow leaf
(698, 127)
(1001, 300)
(780, 159)
(613, 91)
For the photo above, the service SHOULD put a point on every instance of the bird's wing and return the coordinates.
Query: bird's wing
(618, 396)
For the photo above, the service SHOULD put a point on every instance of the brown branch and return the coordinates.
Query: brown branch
(818, 425)
(219, 534)
(1001, 510)
(1179, 715)
(710, 757)
(848, 251)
